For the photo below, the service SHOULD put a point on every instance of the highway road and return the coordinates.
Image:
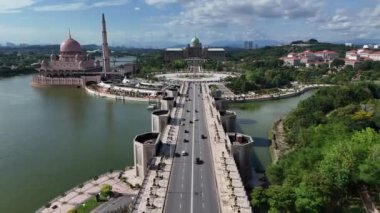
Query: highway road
(192, 187)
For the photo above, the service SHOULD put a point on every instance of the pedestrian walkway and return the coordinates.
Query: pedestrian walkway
(231, 192)
(152, 195)
(78, 195)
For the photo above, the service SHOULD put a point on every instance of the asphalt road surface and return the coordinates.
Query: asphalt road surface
(192, 186)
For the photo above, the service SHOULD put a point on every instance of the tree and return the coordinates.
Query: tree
(337, 62)
(106, 190)
(258, 197)
(178, 64)
(281, 198)
(313, 41)
(369, 169)
(275, 174)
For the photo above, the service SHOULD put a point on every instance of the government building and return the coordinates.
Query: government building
(195, 52)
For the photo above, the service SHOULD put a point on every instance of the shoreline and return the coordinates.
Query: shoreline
(243, 99)
(115, 97)
(276, 138)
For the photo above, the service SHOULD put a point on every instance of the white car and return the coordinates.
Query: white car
(183, 153)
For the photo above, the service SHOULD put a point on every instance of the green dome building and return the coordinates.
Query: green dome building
(194, 52)
(195, 42)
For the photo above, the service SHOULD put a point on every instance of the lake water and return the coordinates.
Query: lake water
(257, 118)
(52, 139)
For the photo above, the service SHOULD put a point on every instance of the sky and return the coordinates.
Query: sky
(157, 23)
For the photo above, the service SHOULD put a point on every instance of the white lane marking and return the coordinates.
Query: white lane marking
(203, 205)
(180, 205)
(192, 156)
(182, 185)
(181, 196)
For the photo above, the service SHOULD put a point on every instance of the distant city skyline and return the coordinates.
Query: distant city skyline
(160, 23)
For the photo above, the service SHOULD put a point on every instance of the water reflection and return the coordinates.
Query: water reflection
(256, 119)
(73, 101)
(51, 139)
(245, 121)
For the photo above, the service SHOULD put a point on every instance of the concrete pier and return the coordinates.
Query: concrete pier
(228, 119)
(144, 149)
(167, 103)
(160, 119)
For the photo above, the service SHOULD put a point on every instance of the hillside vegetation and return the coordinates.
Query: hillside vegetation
(335, 150)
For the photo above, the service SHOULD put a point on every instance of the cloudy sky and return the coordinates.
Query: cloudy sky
(157, 22)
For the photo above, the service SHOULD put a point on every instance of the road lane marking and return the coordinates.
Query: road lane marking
(192, 156)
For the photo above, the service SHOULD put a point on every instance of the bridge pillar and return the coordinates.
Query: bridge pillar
(160, 119)
(167, 103)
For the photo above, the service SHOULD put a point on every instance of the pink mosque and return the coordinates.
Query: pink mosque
(72, 67)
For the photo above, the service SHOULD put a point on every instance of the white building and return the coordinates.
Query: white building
(310, 58)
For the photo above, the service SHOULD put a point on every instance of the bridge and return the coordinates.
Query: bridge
(193, 160)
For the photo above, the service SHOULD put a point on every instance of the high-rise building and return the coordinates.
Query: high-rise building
(248, 45)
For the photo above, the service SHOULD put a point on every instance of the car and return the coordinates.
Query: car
(184, 153)
(191, 121)
(196, 119)
(196, 110)
(184, 119)
(186, 131)
(204, 136)
(185, 140)
(198, 161)
(177, 155)
(188, 111)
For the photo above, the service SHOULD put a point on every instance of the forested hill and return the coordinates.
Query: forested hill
(335, 150)
(275, 52)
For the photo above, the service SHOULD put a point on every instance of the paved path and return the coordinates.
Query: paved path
(114, 205)
(231, 192)
(78, 195)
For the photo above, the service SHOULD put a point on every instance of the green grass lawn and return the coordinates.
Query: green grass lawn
(89, 205)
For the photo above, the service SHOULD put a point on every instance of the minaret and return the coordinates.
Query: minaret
(106, 52)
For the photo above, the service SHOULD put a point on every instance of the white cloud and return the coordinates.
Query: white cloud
(62, 7)
(242, 12)
(110, 3)
(80, 5)
(160, 2)
(339, 21)
(137, 9)
(9, 6)
(361, 24)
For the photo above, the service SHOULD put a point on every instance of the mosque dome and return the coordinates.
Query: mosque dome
(194, 41)
(70, 45)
